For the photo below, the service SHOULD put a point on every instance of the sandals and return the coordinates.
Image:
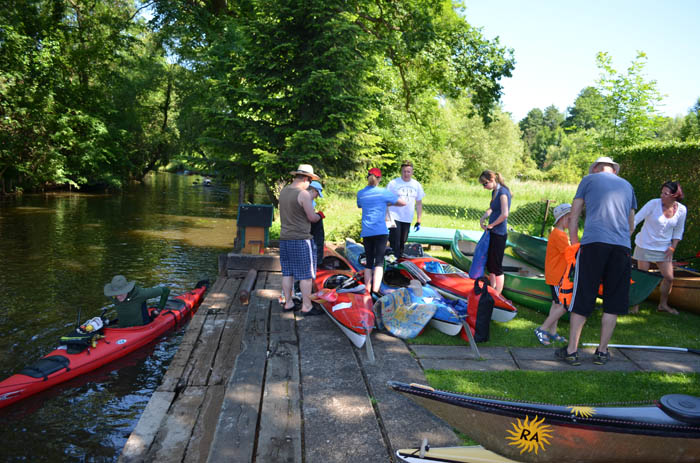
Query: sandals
(557, 337)
(542, 336)
(546, 338)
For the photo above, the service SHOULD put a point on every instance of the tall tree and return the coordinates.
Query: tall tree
(691, 124)
(587, 111)
(630, 101)
(326, 82)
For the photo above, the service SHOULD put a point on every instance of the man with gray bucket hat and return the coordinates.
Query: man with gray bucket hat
(130, 300)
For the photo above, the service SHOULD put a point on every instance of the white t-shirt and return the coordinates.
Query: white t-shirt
(408, 191)
(658, 230)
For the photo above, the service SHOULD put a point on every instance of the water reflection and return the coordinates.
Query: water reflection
(56, 253)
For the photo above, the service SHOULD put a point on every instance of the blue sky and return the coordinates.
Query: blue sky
(556, 42)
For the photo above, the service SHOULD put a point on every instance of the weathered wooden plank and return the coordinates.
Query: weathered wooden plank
(279, 437)
(269, 262)
(201, 361)
(234, 438)
(230, 345)
(174, 433)
(405, 422)
(339, 421)
(145, 431)
(203, 432)
(214, 299)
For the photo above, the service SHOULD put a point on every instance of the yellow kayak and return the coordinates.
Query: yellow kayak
(467, 454)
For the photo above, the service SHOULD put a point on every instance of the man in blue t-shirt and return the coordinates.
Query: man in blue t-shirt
(373, 200)
(604, 256)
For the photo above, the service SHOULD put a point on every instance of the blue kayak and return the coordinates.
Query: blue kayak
(445, 319)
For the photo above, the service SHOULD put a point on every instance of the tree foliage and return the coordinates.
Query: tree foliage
(84, 94)
(333, 83)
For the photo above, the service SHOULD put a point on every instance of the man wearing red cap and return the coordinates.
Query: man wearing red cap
(373, 200)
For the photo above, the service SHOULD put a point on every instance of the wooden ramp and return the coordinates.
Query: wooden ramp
(256, 384)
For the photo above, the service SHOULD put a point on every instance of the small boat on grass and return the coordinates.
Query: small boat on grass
(430, 235)
(668, 430)
(444, 318)
(685, 293)
(102, 346)
(452, 283)
(351, 311)
(523, 283)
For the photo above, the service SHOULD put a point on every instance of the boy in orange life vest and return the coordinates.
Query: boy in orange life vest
(554, 268)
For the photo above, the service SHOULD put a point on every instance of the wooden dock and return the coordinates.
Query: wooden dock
(251, 383)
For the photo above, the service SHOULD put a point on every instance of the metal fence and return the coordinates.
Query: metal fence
(533, 218)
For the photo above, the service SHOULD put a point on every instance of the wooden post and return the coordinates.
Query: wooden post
(247, 286)
(546, 214)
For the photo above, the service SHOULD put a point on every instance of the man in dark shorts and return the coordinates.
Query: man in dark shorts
(297, 248)
(604, 256)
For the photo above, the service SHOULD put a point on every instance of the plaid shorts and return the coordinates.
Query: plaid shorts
(298, 259)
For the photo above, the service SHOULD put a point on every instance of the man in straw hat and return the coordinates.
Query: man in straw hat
(297, 248)
(604, 255)
(130, 300)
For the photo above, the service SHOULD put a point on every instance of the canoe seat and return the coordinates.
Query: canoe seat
(682, 407)
(466, 247)
(42, 368)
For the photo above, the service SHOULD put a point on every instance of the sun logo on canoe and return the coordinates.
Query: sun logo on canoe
(530, 435)
(582, 412)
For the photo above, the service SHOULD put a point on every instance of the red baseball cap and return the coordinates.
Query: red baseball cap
(376, 172)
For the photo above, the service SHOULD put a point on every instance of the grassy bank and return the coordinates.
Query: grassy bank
(446, 205)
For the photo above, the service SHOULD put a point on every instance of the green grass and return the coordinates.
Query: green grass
(446, 205)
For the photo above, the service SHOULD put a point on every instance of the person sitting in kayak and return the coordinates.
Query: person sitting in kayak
(131, 306)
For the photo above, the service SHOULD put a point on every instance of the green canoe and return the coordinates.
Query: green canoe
(523, 283)
(430, 235)
(532, 249)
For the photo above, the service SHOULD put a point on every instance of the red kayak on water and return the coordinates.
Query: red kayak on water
(351, 311)
(103, 346)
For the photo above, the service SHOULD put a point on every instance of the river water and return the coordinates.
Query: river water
(57, 251)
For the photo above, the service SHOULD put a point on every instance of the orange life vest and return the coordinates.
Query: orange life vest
(566, 285)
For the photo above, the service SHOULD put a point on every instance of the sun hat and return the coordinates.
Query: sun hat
(118, 286)
(604, 160)
(560, 211)
(318, 187)
(306, 169)
(375, 171)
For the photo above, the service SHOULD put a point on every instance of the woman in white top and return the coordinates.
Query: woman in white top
(664, 222)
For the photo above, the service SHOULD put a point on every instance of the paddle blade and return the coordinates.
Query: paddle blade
(324, 295)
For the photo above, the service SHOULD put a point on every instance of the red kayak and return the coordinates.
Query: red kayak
(110, 344)
(453, 283)
(351, 311)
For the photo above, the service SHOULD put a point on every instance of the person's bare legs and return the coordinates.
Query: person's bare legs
(377, 276)
(498, 286)
(287, 287)
(556, 311)
(666, 269)
(576, 323)
(368, 279)
(305, 286)
(641, 265)
(607, 326)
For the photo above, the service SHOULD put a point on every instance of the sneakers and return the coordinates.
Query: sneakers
(571, 359)
(601, 358)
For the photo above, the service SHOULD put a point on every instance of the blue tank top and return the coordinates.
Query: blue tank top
(495, 206)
